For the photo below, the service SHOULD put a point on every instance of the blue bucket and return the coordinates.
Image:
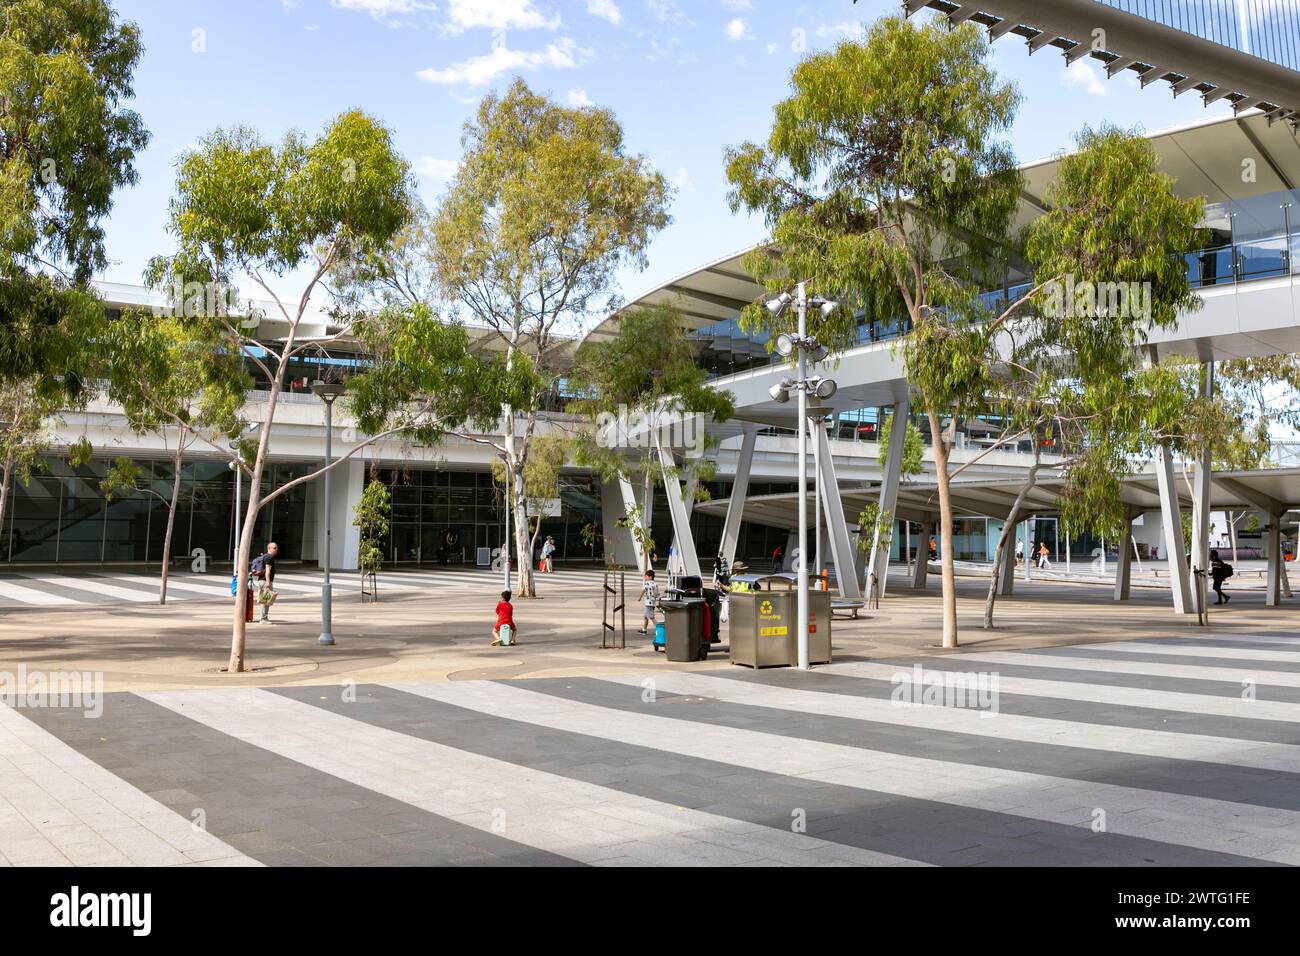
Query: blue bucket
(660, 636)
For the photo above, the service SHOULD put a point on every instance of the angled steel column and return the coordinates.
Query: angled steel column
(1171, 519)
(692, 483)
(923, 553)
(833, 506)
(1007, 584)
(629, 506)
(1201, 499)
(677, 511)
(889, 482)
(1273, 585)
(739, 490)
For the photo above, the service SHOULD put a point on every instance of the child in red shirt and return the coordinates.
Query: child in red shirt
(505, 615)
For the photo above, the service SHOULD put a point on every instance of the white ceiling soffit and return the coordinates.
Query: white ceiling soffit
(1131, 42)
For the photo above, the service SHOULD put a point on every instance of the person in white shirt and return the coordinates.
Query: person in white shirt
(649, 598)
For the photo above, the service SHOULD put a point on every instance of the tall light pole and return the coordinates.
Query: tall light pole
(327, 392)
(823, 388)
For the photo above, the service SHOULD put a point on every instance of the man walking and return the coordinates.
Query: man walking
(1220, 571)
(263, 571)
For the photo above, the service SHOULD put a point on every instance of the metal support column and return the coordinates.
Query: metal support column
(837, 528)
(677, 510)
(1201, 498)
(629, 506)
(879, 560)
(1007, 578)
(1171, 519)
(1273, 585)
(739, 490)
(922, 554)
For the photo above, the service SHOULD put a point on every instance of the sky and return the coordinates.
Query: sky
(687, 79)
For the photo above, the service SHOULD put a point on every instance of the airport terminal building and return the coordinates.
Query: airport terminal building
(447, 507)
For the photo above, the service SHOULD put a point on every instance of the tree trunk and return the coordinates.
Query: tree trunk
(525, 584)
(171, 517)
(4, 493)
(948, 576)
(1008, 529)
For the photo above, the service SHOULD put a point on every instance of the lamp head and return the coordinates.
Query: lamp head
(328, 391)
(780, 393)
(784, 344)
(776, 305)
(826, 388)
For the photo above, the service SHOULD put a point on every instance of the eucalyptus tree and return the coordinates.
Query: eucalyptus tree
(545, 206)
(168, 373)
(67, 143)
(247, 210)
(646, 372)
(888, 188)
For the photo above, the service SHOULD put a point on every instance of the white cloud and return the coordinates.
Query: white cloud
(479, 70)
(382, 9)
(606, 10)
(435, 168)
(497, 15)
(738, 4)
(1085, 75)
(668, 11)
(682, 181)
(844, 30)
(772, 48)
(578, 97)
(736, 30)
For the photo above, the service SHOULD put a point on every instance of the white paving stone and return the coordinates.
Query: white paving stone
(45, 784)
(1035, 796)
(427, 775)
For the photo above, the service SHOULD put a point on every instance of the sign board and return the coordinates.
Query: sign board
(544, 507)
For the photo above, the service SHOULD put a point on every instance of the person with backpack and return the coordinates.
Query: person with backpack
(778, 557)
(548, 554)
(262, 572)
(1220, 571)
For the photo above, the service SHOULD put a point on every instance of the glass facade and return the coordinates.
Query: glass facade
(445, 516)
(62, 517)
(1254, 238)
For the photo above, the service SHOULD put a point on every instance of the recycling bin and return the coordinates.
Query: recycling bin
(764, 630)
(684, 629)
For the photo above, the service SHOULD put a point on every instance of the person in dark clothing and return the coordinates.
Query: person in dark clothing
(778, 557)
(266, 579)
(1220, 571)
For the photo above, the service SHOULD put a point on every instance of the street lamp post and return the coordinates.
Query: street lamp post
(822, 388)
(327, 392)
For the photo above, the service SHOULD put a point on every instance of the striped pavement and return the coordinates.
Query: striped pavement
(47, 589)
(1174, 752)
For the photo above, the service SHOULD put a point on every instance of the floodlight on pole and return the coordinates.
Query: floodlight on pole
(826, 388)
(327, 392)
(784, 344)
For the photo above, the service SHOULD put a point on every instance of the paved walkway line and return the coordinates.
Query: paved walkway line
(1189, 671)
(1284, 758)
(1214, 825)
(1206, 704)
(1243, 654)
(59, 808)
(539, 809)
(13, 591)
(95, 586)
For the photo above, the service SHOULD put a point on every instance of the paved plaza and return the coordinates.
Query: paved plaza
(1176, 746)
